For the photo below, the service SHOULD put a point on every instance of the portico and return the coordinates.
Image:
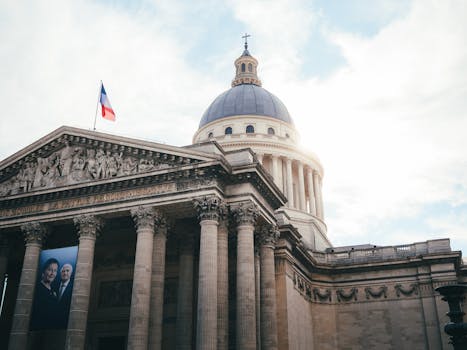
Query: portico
(168, 230)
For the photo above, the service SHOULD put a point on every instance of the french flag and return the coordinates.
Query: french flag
(107, 111)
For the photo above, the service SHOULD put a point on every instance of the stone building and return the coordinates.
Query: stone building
(221, 244)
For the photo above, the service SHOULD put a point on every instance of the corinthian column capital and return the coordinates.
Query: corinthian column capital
(209, 208)
(245, 213)
(268, 235)
(143, 217)
(88, 226)
(34, 233)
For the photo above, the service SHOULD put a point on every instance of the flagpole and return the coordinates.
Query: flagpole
(97, 105)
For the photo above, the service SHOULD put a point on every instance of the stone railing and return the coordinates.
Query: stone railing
(356, 256)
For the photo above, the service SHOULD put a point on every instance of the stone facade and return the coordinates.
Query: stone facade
(218, 245)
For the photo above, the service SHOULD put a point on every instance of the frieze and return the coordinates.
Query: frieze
(382, 291)
(342, 295)
(91, 200)
(318, 295)
(303, 286)
(66, 162)
(400, 290)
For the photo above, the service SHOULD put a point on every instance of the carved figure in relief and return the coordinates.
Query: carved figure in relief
(65, 160)
(91, 163)
(29, 174)
(110, 165)
(130, 166)
(119, 162)
(41, 170)
(101, 164)
(78, 166)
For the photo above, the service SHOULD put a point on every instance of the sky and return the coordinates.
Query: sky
(377, 88)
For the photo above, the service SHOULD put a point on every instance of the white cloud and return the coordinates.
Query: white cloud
(388, 125)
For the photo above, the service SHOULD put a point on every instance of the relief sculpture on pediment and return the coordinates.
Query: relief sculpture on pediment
(75, 164)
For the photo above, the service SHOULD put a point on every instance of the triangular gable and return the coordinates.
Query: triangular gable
(69, 156)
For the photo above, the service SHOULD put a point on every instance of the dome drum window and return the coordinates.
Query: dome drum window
(228, 130)
(250, 129)
(271, 131)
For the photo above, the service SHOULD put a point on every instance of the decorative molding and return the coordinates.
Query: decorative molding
(346, 296)
(71, 159)
(245, 213)
(209, 207)
(326, 296)
(88, 226)
(73, 164)
(268, 235)
(143, 217)
(34, 233)
(413, 289)
(303, 286)
(378, 294)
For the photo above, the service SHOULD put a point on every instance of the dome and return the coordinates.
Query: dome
(245, 99)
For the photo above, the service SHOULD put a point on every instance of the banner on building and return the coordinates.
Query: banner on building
(54, 287)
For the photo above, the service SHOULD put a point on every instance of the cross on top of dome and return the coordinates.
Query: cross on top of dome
(246, 67)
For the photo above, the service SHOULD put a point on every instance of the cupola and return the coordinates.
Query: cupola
(246, 68)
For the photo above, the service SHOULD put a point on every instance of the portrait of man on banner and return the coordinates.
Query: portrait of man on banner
(54, 287)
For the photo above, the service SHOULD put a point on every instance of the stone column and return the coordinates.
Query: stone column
(275, 170)
(223, 283)
(245, 215)
(267, 239)
(311, 192)
(140, 296)
(301, 186)
(257, 292)
(260, 157)
(34, 234)
(157, 280)
(289, 179)
(318, 200)
(208, 213)
(88, 227)
(184, 327)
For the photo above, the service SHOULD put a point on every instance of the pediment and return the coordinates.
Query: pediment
(71, 156)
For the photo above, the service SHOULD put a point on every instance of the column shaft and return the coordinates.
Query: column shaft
(318, 200)
(258, 296)
(141, 292)
(268, 299)
(34, 234)
(246, 308)
(157, 283)
(222, 287)
(290, 196)
(301, 186)
(311, 192)
(77, 321)
(206, 335)
(184, 330)
(260, 157)
(275, 170)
